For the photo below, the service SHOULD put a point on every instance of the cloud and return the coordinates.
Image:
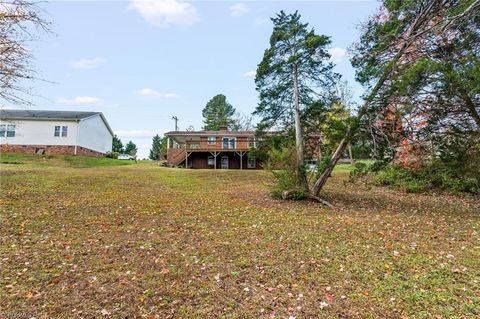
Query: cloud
(152, 92)
(250, 73)
(81, 100)
(166, 12)
(238, 9)
(337, 54)
(137, 134)
(88, 63)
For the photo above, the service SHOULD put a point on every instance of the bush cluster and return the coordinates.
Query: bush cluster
(113, 155)
(281, 162)
(431, 176)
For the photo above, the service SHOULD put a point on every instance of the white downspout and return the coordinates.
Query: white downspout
(76, 137)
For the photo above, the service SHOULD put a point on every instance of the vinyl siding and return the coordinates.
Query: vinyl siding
(94, 135)
(39, 132)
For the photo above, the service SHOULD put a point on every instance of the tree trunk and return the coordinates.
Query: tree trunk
(301, 178)
(420, 21)
(322, 180)
(350, 153)
(317, 187)
(319, 150)
(472, 110)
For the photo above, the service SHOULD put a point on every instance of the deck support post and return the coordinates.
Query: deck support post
(241, 153)
(214, 154)
(187, 154)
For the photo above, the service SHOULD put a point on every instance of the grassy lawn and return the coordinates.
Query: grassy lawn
(32, 160)
(86, 238)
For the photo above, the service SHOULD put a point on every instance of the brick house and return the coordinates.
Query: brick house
(54, 132)
(221, 149)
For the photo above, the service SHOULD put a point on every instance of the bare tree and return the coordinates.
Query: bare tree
(242, 122)
(20, 23)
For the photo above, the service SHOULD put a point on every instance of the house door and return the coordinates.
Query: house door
(224, 162)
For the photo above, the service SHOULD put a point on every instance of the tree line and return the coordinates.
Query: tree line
(418, 61)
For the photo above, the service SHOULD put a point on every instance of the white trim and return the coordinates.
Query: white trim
(229, 138)
(76, 138)
(214, 140)
(254, 142)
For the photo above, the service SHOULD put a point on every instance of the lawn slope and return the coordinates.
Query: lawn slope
(141, 240)
(37, 161)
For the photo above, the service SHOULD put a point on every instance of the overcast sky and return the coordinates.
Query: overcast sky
(141, 62)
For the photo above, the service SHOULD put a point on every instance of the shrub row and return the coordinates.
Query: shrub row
(430, 177)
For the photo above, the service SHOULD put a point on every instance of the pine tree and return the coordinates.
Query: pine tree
(131, 148)
(217, 113)
(117, 145)
(295, 71)
(156, 151)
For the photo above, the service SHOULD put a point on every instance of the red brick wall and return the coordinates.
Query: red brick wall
(49, 149)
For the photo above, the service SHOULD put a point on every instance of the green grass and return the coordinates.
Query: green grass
(146, 241)
(8, 159)
(343, 168)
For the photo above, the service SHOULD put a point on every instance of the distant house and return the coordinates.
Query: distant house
(54, 132)
(221, 149)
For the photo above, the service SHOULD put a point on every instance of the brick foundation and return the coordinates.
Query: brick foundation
(49, 149)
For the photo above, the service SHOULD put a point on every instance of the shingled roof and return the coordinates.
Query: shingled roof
(50, 115)
(45, 114)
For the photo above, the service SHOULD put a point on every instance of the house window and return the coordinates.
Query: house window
(211, 161)
(252, 142)
(7, 130)
(10, 130)
(212, 140)
(252, 163)
(57, 131)
(64, 131)
(230, 143)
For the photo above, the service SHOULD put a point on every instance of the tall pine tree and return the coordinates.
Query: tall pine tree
(295, 71)
(217, 113)
(158, 148)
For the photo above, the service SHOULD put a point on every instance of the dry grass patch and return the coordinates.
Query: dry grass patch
(140, 240)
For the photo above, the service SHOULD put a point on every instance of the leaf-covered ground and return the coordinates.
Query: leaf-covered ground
(145, 241)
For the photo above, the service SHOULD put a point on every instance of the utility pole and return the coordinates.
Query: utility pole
(176, 120)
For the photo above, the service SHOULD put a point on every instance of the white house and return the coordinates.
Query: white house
(54, 132)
